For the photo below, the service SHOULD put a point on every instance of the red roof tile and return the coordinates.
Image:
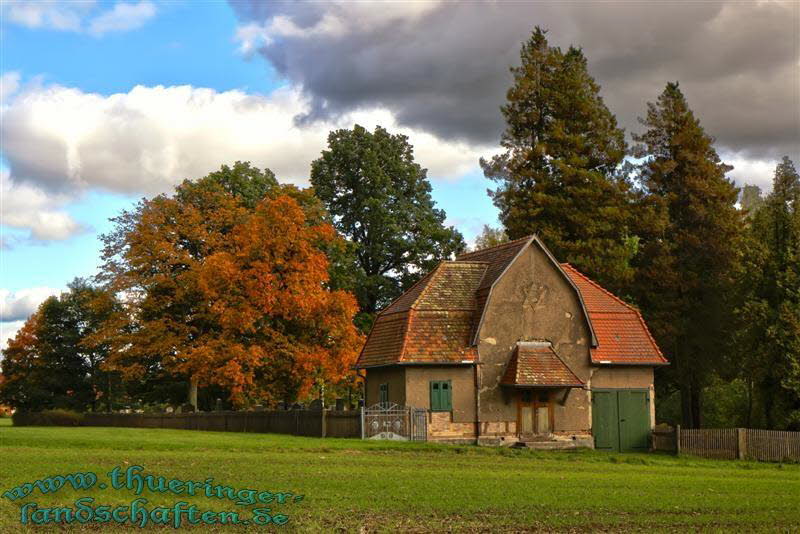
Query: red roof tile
(431, 322)
(622, 335)
(437, 318)
(536, 364)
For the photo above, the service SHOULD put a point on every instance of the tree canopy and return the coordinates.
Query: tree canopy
(689, 261)
(768, 337)
(558, 176)
(225, 283)
(380, 200)
(54, 361)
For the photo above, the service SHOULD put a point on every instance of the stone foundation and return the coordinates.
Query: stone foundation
(442, 428)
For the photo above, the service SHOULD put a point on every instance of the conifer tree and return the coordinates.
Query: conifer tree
(558, 176)
(769, 316)
(686, 271)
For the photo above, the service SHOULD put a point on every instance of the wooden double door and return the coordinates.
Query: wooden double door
(534, 412)
(621, 419)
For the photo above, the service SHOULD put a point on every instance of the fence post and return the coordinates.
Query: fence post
(677, 440)
(741, 443)
(324, 421)
(362, 422)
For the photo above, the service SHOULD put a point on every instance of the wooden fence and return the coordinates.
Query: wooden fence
(730, 443)
(316, 423)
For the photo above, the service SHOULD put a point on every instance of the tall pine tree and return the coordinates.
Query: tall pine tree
(770, 312)
(558, 176)
(688, 263)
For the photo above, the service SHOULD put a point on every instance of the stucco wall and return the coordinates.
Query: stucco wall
(626, 378)
(533, 301)
(463, 393)
(394, 376)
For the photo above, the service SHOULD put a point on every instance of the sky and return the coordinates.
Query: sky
(103, 103)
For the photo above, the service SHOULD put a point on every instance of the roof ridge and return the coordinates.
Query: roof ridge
(501, 245)
(401, 295)
(466, 262)
(553, 350)
(601, 288)
(430, 278)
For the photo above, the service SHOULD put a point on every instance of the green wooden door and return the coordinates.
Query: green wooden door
(621, 420)
(605, 420)
(634, 420)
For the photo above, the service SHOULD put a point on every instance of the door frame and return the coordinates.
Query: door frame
(535, 402)
(648, 400)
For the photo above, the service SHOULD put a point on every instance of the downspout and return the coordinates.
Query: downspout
(477, 396)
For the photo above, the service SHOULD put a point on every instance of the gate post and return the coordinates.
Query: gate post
(362, 422)
(677, 440)
(741, 444)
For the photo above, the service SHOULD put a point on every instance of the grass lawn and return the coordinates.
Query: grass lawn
(353, 485)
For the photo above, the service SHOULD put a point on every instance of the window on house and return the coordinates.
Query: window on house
(441, 396)
(384, 394)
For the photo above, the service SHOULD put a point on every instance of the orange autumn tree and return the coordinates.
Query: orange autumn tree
(268, 291)
(259, 322)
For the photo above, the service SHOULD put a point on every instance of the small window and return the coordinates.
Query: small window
(441, 396)
(384, 393)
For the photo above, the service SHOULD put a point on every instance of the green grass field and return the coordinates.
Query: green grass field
(352, 485)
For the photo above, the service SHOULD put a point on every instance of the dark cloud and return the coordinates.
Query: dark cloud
(445, 69)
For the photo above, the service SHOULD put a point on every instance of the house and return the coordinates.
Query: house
(507, 344)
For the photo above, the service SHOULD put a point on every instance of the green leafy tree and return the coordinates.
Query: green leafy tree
(380, 200)
(490, 237)
(769, 315)
(559, 176)
(53, 361)
(688, 265)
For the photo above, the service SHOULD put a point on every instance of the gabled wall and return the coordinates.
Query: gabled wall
(533, 300)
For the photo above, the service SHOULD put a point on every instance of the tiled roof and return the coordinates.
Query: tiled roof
(436, 320)
(498, 258)
(622, 335)
(538, 365)
(429, 323)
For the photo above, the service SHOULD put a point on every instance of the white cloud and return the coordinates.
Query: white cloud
(151, 138)
(341, 17)
(122, 17)
(27, 207)
(78, 15)
(50, 14)
(750, 171)
(9, 84)
(19, 305)
(7, 331)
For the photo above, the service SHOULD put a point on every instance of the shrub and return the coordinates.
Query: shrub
(56, 417)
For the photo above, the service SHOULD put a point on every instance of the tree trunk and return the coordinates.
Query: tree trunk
(686, 406)
(193, 392)
(697, 399)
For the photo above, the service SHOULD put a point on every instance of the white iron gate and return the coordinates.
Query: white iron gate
(391, 421)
